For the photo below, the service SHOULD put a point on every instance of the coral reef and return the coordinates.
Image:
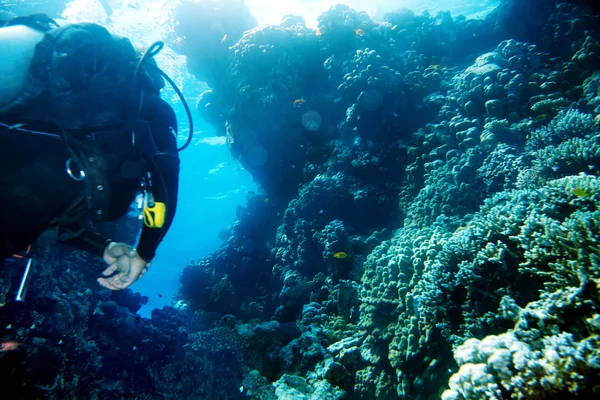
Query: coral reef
(493, 173)
(427, 226)
(79, 342)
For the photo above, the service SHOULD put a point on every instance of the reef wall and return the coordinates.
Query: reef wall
(430, 210)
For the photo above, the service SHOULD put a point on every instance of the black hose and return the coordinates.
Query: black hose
(187, 109)
(153, 50)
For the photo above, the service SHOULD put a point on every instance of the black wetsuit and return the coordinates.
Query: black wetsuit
(35, 189)
(36, 192)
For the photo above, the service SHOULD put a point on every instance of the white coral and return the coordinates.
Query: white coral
(503, 363)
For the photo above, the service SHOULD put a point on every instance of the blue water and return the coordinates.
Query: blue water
(211, 186)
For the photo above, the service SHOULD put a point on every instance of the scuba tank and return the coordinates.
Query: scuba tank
(17, 46)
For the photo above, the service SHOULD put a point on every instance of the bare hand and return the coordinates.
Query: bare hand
(125, 263)
(115, 250)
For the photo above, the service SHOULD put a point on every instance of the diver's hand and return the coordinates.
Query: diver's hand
(115, 250)
(129, 268)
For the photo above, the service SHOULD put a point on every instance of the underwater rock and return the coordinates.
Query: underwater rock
(205, 30)
(494, 108)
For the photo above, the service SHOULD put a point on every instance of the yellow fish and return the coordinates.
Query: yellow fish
(340, 255)
(540, 117)
(318, 32)
(437, 67)
(580, 192)
(298, 102)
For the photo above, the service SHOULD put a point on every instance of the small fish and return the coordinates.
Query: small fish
(9, 345)
(298, 102)
(266, 200)
(160, 295)
(340, 255)
(580, 192)
(540, 118)
(224, 38)
(359, 32)
(318, 32)
(437, 67)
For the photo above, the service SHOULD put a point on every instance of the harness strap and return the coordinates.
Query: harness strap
(143, 141)
(87, 154)
(73, 213)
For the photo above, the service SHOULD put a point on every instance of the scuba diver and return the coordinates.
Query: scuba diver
(83, 130)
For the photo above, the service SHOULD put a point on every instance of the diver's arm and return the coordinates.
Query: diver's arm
(164, 174)
(94, 243)
(83, 239)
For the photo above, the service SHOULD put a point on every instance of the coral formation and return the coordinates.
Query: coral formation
(494, 175)
(428, 223)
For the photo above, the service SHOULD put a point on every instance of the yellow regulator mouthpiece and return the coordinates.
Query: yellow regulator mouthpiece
(154, 216)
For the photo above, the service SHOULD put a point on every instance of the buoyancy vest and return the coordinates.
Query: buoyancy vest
(81, 80)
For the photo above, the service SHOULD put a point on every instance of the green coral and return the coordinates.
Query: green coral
(549, 105)
(500, 169)
(548, 353)
(494, 131)
(554, 347)
(431, 288)
(295, 387)
(573, 156)
(567, 124)
(564, 249)
(500, 367)
(591, 90)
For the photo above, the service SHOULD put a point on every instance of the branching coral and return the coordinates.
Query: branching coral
(500, 367)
